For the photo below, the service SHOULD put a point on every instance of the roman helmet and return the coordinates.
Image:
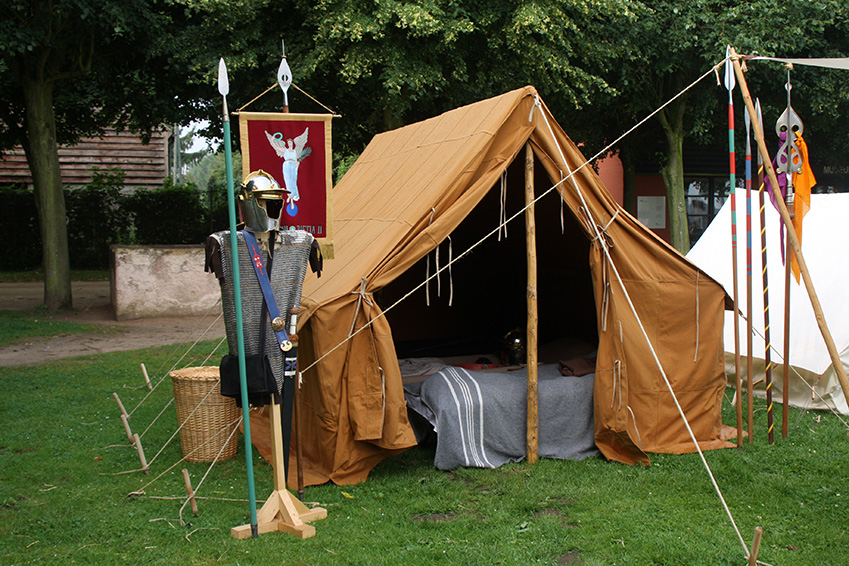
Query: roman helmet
(261, 201)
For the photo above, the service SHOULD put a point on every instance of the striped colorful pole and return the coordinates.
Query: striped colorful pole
(730, 82)
(750, 371)
(767, 345)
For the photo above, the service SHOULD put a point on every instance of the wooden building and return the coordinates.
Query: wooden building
(144, 165)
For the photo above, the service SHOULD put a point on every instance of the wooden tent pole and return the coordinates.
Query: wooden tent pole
(791, 233)
(533, 319)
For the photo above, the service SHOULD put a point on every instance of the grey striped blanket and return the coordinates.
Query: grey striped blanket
(480, 417)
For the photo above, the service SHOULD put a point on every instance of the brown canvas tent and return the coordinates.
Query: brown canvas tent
(415, 187)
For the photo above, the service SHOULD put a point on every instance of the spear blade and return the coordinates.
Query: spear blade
(730, 80)
(284, 76)
(223, 81)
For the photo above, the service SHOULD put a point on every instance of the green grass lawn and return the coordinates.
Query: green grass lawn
(64, 501)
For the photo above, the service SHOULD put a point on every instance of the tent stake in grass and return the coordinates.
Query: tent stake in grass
(190, 492)
(126, 421)
(120, 404)
(756, 546)
(794, 240)
(146, 378)
(143, 460)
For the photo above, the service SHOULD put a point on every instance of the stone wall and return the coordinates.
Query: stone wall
(161, 281)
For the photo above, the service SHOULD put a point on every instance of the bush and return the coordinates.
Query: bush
(100, 214)
(19, 230)
(173, 214)
(96, 219)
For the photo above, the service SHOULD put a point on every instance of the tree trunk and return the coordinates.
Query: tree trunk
(673, 176)
(43, 159)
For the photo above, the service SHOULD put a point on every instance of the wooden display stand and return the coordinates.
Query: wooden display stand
(282, 511)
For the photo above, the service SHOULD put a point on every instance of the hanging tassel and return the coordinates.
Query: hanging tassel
(562, 205)
(438, 274)
(450, 272)
(427, 264)
(502, 215)
(696, 353)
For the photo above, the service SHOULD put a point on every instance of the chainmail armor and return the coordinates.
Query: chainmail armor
(288, 269)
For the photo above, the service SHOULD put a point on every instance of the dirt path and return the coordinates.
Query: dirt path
(92, 306)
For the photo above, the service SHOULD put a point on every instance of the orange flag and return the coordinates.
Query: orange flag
(803, 182)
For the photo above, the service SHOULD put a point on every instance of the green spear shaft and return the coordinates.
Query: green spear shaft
(224, 89)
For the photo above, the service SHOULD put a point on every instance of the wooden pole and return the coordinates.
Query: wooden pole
(791, 234)
(533, 319)
(296, 417)
(729, 83)
(281, 511)
(765, 276)
(750, 371)
(785, 378)
(190, 492)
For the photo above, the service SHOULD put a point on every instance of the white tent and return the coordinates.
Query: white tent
(825, 234)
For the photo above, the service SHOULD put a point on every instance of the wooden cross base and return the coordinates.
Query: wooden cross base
(283, 512)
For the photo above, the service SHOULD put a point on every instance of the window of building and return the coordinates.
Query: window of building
(704, 197)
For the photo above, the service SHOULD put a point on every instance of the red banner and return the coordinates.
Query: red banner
(295, 149)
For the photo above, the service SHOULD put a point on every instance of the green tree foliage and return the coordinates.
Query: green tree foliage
(390, 63)
(69, 68)
(673, 43)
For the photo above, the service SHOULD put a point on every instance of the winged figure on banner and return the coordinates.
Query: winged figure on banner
(292, 151)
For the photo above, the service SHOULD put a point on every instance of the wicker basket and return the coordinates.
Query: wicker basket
(207, 418)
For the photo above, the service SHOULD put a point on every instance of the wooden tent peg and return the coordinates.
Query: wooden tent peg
(190, 491)
(120, 404)
(126, 421)
(145, 468)
(756, 546)
(146, 378)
